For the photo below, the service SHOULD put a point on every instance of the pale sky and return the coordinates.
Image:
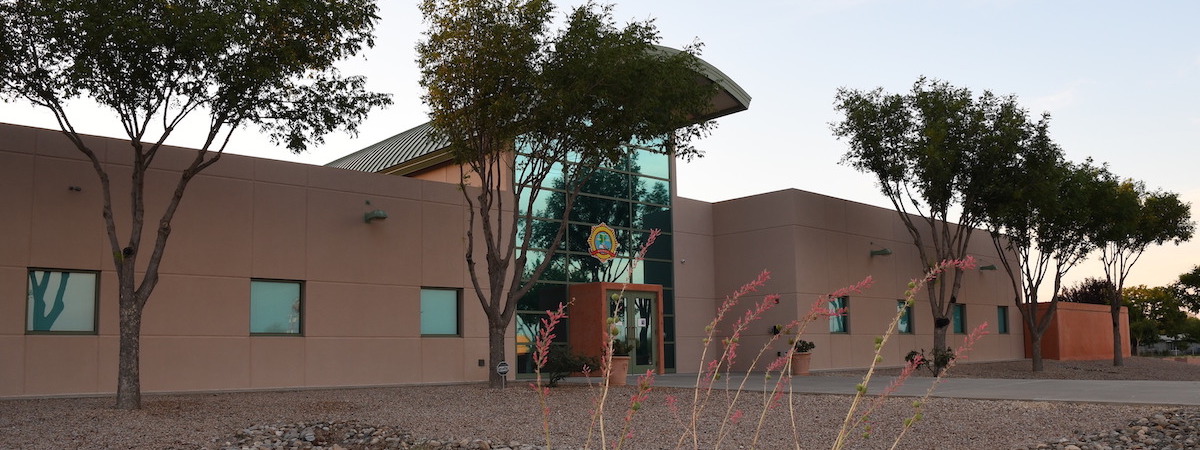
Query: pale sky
(1120, 79)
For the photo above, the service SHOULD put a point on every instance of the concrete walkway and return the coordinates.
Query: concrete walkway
(1092, 391)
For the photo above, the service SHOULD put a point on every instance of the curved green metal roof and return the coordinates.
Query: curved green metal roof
(419, 147)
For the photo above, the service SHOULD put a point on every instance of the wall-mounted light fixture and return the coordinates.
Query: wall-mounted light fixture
(988, 267)
(881, 252)
(375, 214)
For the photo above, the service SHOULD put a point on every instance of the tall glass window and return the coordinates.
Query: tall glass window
(440, 311)
(959, 319)
(61, 301)
(631, 195)
(905, 325)
(276, 307)
(839, 315)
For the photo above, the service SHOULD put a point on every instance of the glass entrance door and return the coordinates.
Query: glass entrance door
(636, 321)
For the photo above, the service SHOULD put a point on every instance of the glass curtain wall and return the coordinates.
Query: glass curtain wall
(632, 196)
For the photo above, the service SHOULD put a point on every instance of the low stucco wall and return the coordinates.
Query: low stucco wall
(1080, 331)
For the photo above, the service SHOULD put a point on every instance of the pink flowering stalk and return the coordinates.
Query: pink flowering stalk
(849, 424)
(645, 381)
(710, 370)
(730, 354)
(541, 355)
(606, 359)
(818, 310)
(918, 405)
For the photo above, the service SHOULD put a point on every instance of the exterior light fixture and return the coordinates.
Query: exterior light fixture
(881, 252)
(375, 214)
(988, 267)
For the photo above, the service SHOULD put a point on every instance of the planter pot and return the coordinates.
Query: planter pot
(800, 363)
(620, 371)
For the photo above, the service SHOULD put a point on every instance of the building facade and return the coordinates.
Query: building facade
(277, 276)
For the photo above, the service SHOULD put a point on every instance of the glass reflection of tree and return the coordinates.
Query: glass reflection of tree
(43, 320)
(644, 348)
(605, 200)
(528, 326)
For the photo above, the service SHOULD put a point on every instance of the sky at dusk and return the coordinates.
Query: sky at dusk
(1121, 81)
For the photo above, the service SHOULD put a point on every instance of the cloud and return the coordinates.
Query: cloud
(1057, 101)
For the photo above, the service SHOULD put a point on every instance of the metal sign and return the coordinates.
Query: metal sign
(502, 368)
(602, 242)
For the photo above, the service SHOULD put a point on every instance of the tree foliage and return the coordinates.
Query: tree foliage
(1188, 289)
(1135, 219)
(936, 152)
(154, 64)
(1040, 221)
(1154, 312)
(1094, 291)
(499, 81)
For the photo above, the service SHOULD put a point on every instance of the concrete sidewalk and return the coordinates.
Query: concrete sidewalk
(1092, 391)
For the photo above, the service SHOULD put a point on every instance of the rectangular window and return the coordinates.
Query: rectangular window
(1002, 319)
(61, 301)
(839, 315)
(905, 325)
(276, 307)
(440, 311)
(959, 319)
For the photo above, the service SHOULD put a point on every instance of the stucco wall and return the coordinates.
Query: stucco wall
(1080, 331)
(814, 244)
(243, 218)
(248, 218)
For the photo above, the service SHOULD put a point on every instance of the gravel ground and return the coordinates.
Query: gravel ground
(1135, 368)
(474, 416)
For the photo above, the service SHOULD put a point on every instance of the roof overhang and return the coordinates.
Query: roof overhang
(730, 97)
(419, 149)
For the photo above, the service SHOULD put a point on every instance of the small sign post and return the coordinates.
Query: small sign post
(502, 370)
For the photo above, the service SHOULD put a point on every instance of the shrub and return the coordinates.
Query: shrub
(563, 361)
(941, 358)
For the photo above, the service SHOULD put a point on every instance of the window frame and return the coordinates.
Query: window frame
(1002, 320)
(908, 314)
(958, 318)
(844, 319)
(95, 326)
(458, 311)
(300, 310)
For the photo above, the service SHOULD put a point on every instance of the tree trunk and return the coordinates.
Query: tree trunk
(496, 336)
(1118, 358)
(939, 345)
(129, 385)
(1035, 345)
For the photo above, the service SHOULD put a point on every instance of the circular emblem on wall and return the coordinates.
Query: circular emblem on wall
(602, 242)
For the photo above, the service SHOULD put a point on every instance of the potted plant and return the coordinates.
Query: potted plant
(802, 357)
(620, 361)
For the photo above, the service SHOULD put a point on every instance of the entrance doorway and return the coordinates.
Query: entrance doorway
(636, 309)
(635, 317)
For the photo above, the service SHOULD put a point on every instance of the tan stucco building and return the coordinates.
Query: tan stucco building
(274, 279)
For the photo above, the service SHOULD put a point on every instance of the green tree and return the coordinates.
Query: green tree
(1154, 312)
(156, 63)
(1040, 222)
(1188, 289)
(935, 152)
(1095, 291)
(1135, 219)
(1191, 329)
(498, 83)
